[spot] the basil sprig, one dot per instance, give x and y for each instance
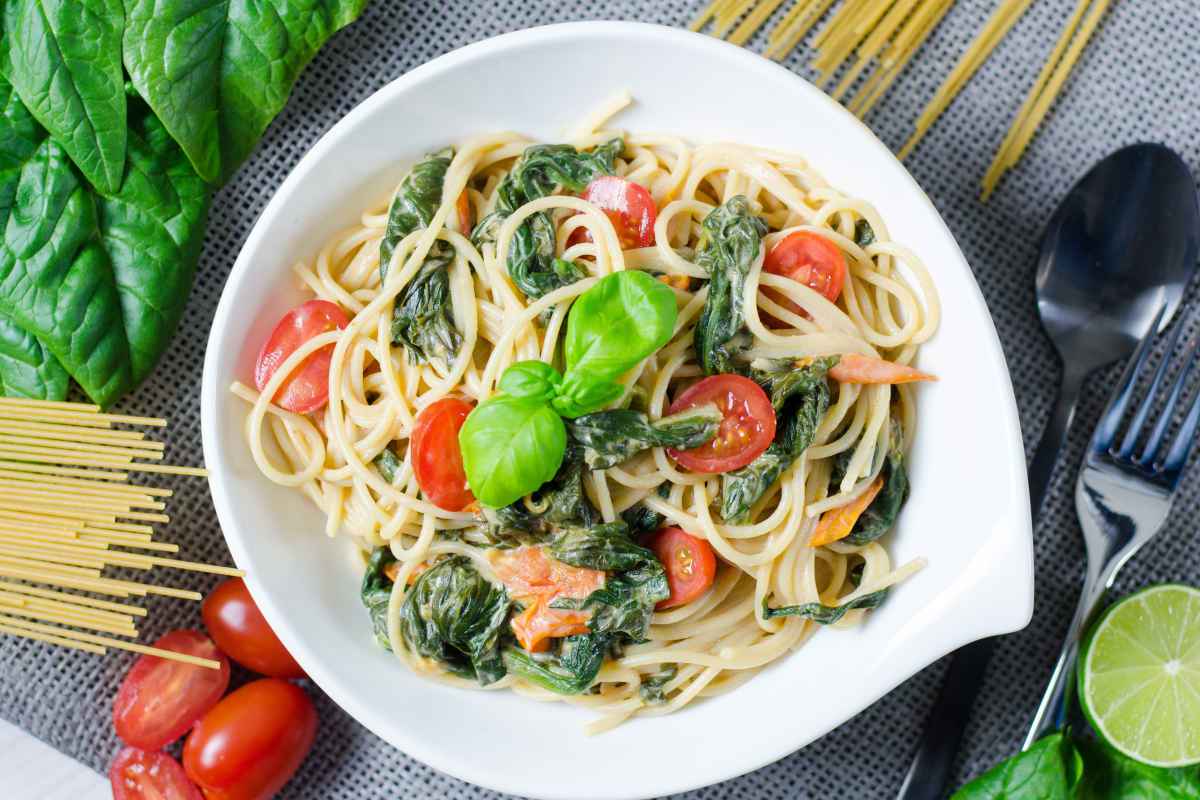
(514, 442)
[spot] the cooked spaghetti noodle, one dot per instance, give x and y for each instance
(885, 310)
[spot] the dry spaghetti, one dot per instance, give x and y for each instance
(68, 512)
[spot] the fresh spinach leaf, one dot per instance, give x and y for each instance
(454, 615)
(26, 368)
(1048, 770)
(730, 241)
(542, 170)
(570, 670)
(823, 614)
(880, 516)
(652, 689)
(376, 592)
(64, 60)
(511, 446)
(800, 397)
(216, 72)
(612, 326)
(1109, 775)
(626, 601)
(611, 437)
(152, 229)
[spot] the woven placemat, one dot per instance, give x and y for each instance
(1135, 82)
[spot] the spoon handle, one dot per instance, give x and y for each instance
(930, 770)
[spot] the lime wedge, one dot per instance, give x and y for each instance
(1139, 676)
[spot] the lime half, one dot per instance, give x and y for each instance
(1139, 676)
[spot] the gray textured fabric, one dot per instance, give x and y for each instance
(1136, 81)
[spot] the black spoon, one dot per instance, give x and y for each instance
(1123, 242)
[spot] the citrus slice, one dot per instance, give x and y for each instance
(1139, 676)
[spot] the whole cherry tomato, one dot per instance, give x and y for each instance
(240, 629)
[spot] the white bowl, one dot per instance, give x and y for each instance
(969, 511)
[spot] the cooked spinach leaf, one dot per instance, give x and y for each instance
(800, 397)
(880, 516)
(559, 502)
(626, 601)
(864, 234)
(1048, 770)
(570, 670)
(216, 72)
(26, 368)
(64, 60)
(652, 689)
(730, 241)
(641, 519)
(388, 464)
(823, 614)
(416, 201)
(542, 170)
(376, 592)
(454, 615)
(611, 437)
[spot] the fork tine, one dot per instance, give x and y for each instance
(1110, 420)
(1143, 411)
(1177, 456)
(1150, 452)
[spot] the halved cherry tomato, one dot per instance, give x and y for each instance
(252, 742)
(689, 562)
(747, 428)
(307, 388)
(436, 457)
(160, 699)
(628, 205)
(807, 258)
(240, 629)
(537, 580)
(140, 775)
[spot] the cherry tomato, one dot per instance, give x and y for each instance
(140, 775)
(746, 430)
(159, 700)
(252, 742)
(436, 457)
(807, 258)
(628, 205)
(689, 562)
(307, 388)
(240, 629)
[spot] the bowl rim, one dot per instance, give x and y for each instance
(338, 688)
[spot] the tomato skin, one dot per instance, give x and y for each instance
(628, 205)
(239, 628)
(807, 258)
(137, 774)
(252, 742)
(689, 561)
(307, 388)
(159, 700)
(437, 457)
(748, 426)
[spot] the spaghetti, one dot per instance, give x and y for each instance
(66, 510)
(354, 458)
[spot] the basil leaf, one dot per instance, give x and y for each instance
(216, 72)
(26, 368)
(823, 614)
(452, 614)
(730, 241)
(511, 446)
(1046, 771)
(376, 592)
(533, 379)
(64, 60)
(578, 394)
(571, 670)
(612, 326)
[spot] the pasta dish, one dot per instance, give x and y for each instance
(618, 421)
